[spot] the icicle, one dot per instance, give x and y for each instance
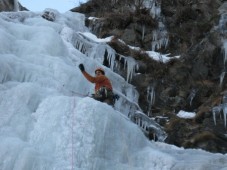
(143, 33)
(92, 49)
(99, 50)
(154, 6)
(214, 116)
(224, 101)
(166, 41)
(148, 125)
(216, 110)
(117, 65)
(225, 50)
(222, 76)
(222, 22)
(153, 9)
(125, 63)
(89, 47)
(150, 94)
(131, 67)
(111, 57)
(16, 6)
(145, 125)
(192, 95)
(225, 113)
(154, 40)
(81, 44)
(160, 38)
(150, 98)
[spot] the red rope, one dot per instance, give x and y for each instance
(72, 136)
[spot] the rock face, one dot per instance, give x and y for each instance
(8, 5)
(196, 32)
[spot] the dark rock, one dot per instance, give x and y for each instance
(49, 15)
(8, 5)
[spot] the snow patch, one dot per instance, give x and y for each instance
(186, 115)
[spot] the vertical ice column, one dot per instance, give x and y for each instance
(224, 62)
(192, 95)
(131, 65)
(160, 37)
(111, 55)
(222, 76)
(83, 44)
(222, 28)
(224, 101)
(225, 50)
(216, 110)
(154, 6)
(16, 6)
(150, 98)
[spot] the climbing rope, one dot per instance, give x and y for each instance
(72, 136)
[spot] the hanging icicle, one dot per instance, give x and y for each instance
(160, 37)
(150, 98)
(130, 65)
(222, 76)
(111, 56)
(224, 101)
(16, 6)
(225, 113)
(216, 110)
(192, 96)
(92, 49)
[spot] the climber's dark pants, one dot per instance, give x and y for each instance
(104, 95)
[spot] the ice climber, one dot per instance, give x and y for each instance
(103, 87)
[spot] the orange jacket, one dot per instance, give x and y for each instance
(99, 81)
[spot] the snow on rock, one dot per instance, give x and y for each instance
(186, 115)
